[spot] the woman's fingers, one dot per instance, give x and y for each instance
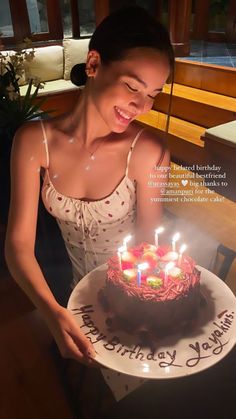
(84, 344)
(71, 341)
(71, 350)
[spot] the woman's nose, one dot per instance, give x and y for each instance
(141, 104)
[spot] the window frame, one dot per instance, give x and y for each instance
(21, 23)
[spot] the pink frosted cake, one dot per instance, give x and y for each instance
(152, 290)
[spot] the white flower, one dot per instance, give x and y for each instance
(12, 94)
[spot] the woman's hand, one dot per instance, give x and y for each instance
(71, 342)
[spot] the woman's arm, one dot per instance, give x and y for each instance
(151, 176)
(28, 155)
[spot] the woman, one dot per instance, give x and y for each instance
(97, 161)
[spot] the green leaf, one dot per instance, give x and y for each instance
(26, 102)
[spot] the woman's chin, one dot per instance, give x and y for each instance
(119, 128)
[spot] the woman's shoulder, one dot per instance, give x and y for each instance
(39, 128)
(151, 141)
(29, 133)
(150, 150)
(149, 134)
(30, 139)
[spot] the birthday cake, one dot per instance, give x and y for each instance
(151, 289)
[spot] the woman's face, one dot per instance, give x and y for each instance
(125, 89)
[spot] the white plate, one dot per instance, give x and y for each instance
(214, 333)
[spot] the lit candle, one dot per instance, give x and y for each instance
(125, 241)
(181, 251)
(141, 267)
(168, 267)
(158, 231)
(119, 254)
(175, 238)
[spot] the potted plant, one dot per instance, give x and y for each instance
(15, 109)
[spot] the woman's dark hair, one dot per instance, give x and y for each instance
(129, 27)
(78, 75)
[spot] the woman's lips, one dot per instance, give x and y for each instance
(123, 116)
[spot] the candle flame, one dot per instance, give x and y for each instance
(127, 239)
(183, 248)
(159, 230)
(176, 237)
(143, 266)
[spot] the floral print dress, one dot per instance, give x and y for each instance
(92, 232)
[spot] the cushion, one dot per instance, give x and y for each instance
(75, 52)
(47, 63)
(51, 87)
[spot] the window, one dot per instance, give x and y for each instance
(37, 12)
(66, 18)
(218, 15)
(78, 17)
(6, 27)
(45, 20)
(39, 19)
(86, 17)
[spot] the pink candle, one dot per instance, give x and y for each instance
(168, 267)
(141, 267)
(125, 241)
(119, 254)
(181, 251)
(175, 238)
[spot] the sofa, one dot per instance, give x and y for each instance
(52, 65)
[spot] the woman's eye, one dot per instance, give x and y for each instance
(131, 88)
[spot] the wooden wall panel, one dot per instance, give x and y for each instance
(192, 111)
(200, 24)
(179, 26)
(188, 73)
(215, 79)
(102, 9)
(60, 102)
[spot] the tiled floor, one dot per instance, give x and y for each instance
(212, 53)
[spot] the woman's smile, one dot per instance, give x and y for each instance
(123, 116)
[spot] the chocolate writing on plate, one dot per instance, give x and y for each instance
(212, 345)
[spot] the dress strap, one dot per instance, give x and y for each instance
(45, 141)
(158, 164)
(131, 149)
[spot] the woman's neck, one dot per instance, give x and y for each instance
(85, 121)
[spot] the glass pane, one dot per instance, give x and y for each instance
(165, 13)
(5, 19)
(218, 15)
(37, 10)
(66, 18)
(86, 17)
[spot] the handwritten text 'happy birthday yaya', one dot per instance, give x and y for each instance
(213, 345)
